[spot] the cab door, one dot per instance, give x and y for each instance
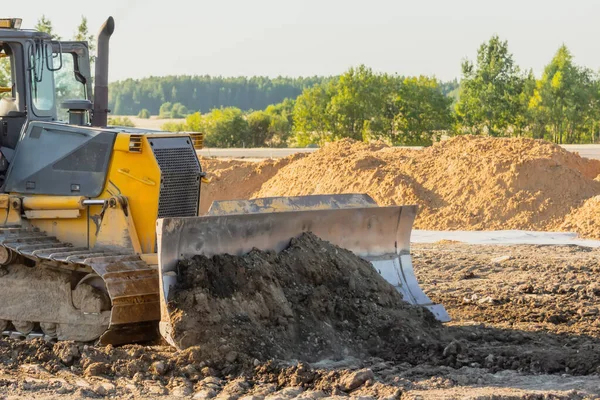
(73, 79)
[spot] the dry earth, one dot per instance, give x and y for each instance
(465, 183)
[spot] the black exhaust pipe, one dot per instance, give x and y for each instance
(100, 117)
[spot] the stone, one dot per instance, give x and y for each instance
(452, 349)
(356, 379)
(96, 369)
(158, 367)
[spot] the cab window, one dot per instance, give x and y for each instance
(42, 79)
(67, 86)
(8, 100)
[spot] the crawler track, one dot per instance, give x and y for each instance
(75, 293)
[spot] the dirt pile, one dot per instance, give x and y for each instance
(311, 301)
(584, 220)
(233, 179)
(467, 182)
(464, 183)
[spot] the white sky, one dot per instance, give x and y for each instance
(322, 37)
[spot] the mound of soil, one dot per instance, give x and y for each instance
(311, 301)
(466, 182)
(584, 220)
(233, 179)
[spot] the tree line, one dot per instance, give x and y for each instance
(497, 98)
(493, 97)
(203, 93)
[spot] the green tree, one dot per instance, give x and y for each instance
(226, 127)
(144, 113)
(259, 128)
(83, 35)
(422, 112)
(165, 110)
(489, 94)
(179, 111)
(312, 123)
(565, 99)
(356, 99)
(120, 121)
(45, 25)
(204, 93)
(5, 78)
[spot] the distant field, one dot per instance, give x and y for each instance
(152, 123)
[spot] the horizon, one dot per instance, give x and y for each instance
(263, 38)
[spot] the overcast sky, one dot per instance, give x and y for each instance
(322, 37)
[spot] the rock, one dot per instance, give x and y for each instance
(356, 379)
(181, 391)
(487, 299)
(290, 392)
(252, 397)
(67, 352)
(109, 387)
(237, 387)
(100, 390)
(394, 396)
(205, 394)
(452, 349)
(501, 259)
(231, 356)
(158, 367)
(312, 394)
(211, 382)
(157, 389)
(225, 396)
(138, 377)
(96, 369)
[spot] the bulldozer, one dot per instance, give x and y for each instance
(94, 218)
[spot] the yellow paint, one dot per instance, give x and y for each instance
(142, 197)
(133, 174)
(146, 181)
(10, 210)
(52, 214)
(4, 201)
(53, 202)
(117, 230)
(151, 259)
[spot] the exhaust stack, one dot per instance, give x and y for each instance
(100, 117)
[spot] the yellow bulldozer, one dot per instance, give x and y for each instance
(94, 218)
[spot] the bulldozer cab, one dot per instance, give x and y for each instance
(37, 75)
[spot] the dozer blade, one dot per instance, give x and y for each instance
(380, 235)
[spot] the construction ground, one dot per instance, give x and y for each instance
(525, 318)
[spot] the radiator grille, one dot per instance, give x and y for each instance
(180, 179)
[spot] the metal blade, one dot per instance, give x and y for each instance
(380, 235)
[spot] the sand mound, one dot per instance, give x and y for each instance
(233, 179)
(584, 220)
(311, 301)
(467, 182)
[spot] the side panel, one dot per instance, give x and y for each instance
(57, 159)
(136, 175)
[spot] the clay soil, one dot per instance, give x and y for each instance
(525, 326)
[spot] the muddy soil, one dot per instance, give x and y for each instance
(503, 343)
(311, 301)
